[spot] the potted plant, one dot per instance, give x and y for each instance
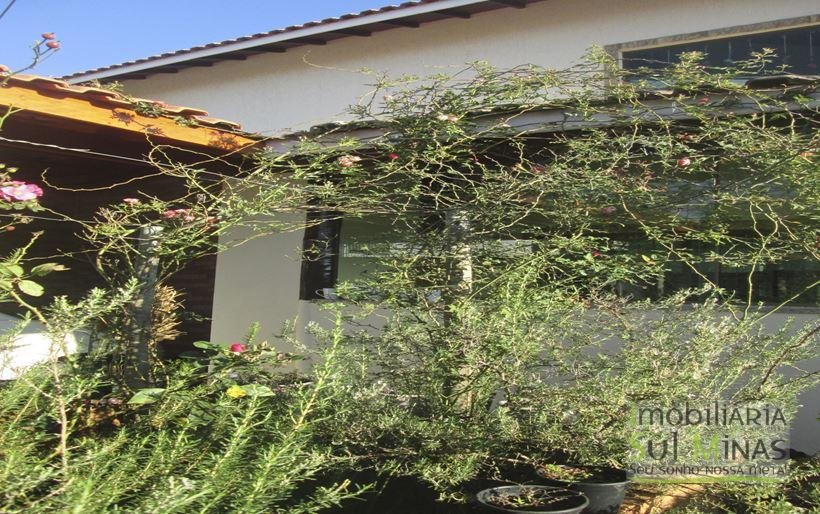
(605, 487)
(533, 498)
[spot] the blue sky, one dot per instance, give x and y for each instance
(97, 33)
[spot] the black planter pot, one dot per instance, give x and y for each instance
(572, 502)
(605, 488)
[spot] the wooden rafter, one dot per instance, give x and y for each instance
(454, 13)
(403, 23)
(66, 111)
(518, 4)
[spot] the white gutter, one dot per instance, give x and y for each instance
(277, 38)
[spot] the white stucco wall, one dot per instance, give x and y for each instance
(274, 92)
(309, 85)
(32, 345)
(257, 281)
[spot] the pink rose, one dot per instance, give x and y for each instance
(684, 162)
(20, 191)
(238, 347)
(185, 214)
(393, 156)
(130, 201)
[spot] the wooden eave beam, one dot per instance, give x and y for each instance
(68, 110)
(403, 23)
(456, 14)
(310, 41)
(518, 4)
(354, 32)
(265, 50)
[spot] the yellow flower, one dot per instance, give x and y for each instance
(236, 391)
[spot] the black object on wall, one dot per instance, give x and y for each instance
(320, 255)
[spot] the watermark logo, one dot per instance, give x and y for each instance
(717, 441)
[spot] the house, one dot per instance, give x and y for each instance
(87, 147)
(293, 78)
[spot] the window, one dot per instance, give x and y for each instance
(336, 251)
(771, 283)
(320, 256)
(796, 48)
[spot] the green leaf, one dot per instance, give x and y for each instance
(257, 390)
(207, 345)
(31, 288)
(11, 269)
(45, 269)
(146, 396)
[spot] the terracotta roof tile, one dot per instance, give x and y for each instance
(105, 97)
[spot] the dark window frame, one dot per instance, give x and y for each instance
(617, 50)
(320, 255)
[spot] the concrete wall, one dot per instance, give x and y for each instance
(309, 85)
(257, 281)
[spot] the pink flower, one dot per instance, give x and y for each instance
(48, 35)
(54, 45)
(347, 161)
(608, 210)
(20, 191)
(185, 214)
(595, 253)
(393, 156)
(130, 201)
(238, 347)
(684, 162)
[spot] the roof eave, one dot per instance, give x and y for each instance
(321, 28)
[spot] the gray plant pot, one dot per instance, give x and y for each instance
(569, 502)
